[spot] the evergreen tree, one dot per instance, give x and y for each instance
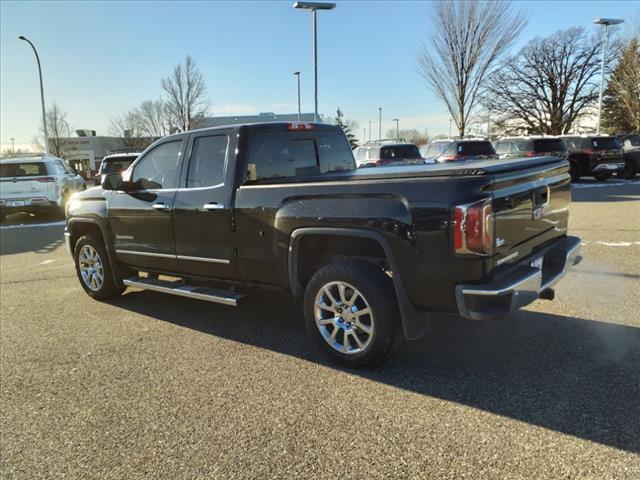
(621, 101)
(347, 127)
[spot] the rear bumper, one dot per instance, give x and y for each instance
(519, 286)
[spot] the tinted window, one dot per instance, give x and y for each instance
(208, 155)
(334, 151)
(548, 145)
(159, 168)
(522, 146)
(64, 167)
(633, 140)
(400, 152)
(475, 148)
(604, 143)
(576, 143)
(22, 169)
(290, 154)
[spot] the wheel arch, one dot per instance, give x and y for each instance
(77, 227)
(413, 326)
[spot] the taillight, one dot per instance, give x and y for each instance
(473, 228)
(450, 158)
(300, 126)
(588, 151)
(45, 179)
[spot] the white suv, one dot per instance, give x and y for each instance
(36, 184)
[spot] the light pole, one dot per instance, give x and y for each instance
(397, 120)
(314, 7)
(44, 116)
(606, 22)
(364, 134)
(450, 128)
(13, 147)
(379, 123)
(297, 74)
(369, 130)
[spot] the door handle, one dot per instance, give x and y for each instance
(161, 206)
(213, 206)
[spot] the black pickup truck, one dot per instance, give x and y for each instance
(373, 255)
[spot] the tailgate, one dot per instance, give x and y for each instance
(531, 207)
(24, 187)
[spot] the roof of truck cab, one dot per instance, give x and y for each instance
(257, 125)
(34, 158)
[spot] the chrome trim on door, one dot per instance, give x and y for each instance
(146, 254)
(203, 259)
(161, 206)
(213, 206)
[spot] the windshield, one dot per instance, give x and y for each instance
(400, 152)
(548, 145)
(633, 141)
(27, 169)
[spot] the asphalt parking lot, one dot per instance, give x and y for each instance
(152, 386)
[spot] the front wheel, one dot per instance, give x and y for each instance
(351, 312)
(94, 270)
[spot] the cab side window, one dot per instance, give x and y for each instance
(503, 147)
(158, 169)
(206, 167)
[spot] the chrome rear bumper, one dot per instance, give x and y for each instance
(520, 286)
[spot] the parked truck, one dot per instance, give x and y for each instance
(372, 255)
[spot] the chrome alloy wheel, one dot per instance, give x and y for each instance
(90, 266)
(344, 318)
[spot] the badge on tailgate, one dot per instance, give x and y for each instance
(541, 197)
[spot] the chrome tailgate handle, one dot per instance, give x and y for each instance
(161, 206)
(213, 206)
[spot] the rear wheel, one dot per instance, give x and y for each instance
(602, 176)
(627, 172)
(351, 312)
(94, 270)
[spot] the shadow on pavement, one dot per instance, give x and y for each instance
(19, 240)
(608, 191)
(571, 375)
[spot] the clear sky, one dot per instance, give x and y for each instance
(101, 58)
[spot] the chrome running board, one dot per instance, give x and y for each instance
(182, 290)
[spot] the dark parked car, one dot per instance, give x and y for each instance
(115, 163)
(467, 149)
(631, 148)
(387, 152)
(372, 254)
(518, 147)
(599, 156)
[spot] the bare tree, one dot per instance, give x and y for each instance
(155, 118)
(467, 39)
(411, 135)
(57, 128)
(548, 85)
(128, 127)
(186, 94)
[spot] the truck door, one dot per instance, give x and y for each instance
(142, 220)
(202, 209)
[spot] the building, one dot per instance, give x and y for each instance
(261, 117)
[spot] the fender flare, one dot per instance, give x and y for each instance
(105, 235)
(414, 325)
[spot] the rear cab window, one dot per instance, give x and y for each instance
(283, 154)
(399, 152)
(26, 169)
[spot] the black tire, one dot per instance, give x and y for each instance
(574, 171)
(107, 288)
(628, 172)
(375, 291)
(602, 176)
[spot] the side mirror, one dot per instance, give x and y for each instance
(111, 181)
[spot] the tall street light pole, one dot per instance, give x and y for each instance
(379, 123)
(397, 120)
(369, 130)
(606, 23)
(44, 115)
(314, 7)
(297, 74)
